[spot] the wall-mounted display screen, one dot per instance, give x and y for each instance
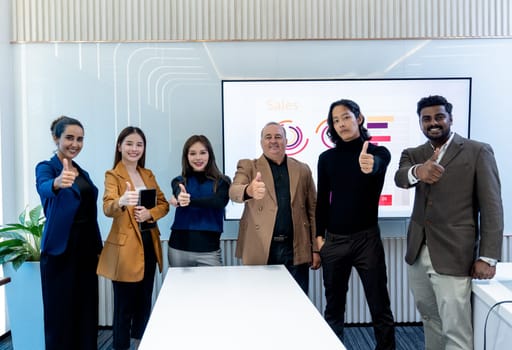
(301, 106)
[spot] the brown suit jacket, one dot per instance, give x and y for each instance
(258, 218)
(122, 257)
(460, 216)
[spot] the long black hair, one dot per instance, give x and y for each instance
(211, 170)
(122, 135)
(354, 108)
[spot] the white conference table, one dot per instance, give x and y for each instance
(235, 307)
(487, 293)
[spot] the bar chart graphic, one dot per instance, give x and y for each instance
(378, 126)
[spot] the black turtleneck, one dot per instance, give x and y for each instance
(348, 199)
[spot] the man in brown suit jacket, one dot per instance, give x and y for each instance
(278, 222)
(456, 228)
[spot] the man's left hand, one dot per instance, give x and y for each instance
(482, 270)
(366, 159)
(315, 265)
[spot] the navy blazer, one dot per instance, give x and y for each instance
(59, 206)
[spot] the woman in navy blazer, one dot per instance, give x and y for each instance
(70, 244)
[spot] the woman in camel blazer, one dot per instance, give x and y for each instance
(130, 254)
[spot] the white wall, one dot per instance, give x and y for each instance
(8, 206)
(172, 90)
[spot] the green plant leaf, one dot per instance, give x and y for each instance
(20, 242)
(9, 243)
(14, 255)
(15, 228)
(16, 263)
(22, 216)
(5, 236)
(35, 215)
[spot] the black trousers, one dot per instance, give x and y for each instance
(70, 294)
(133, 300)
(281, 253)
(364, 251)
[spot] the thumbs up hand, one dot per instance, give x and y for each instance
(366, 160)
(431, 171)
(256, 188)
(129, 197)
(66, 177)
(183, 196)
(173, 201)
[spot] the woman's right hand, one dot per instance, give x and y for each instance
(129, 197)
(183, 196)
(66, 177)
(173, 201)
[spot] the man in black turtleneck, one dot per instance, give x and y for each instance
(350, 180)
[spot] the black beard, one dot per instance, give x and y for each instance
(440, 137)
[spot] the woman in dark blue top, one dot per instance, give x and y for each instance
(70, 244)
(200, 195)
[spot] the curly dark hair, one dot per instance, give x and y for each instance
(434, 100)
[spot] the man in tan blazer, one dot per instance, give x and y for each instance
(278, 222)
(456, 227)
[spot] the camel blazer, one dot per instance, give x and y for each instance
(461, 216)
(258, 218)
(122, 257)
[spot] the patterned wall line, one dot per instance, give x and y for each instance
(190, 20)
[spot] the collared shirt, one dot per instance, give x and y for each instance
(284, 224)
